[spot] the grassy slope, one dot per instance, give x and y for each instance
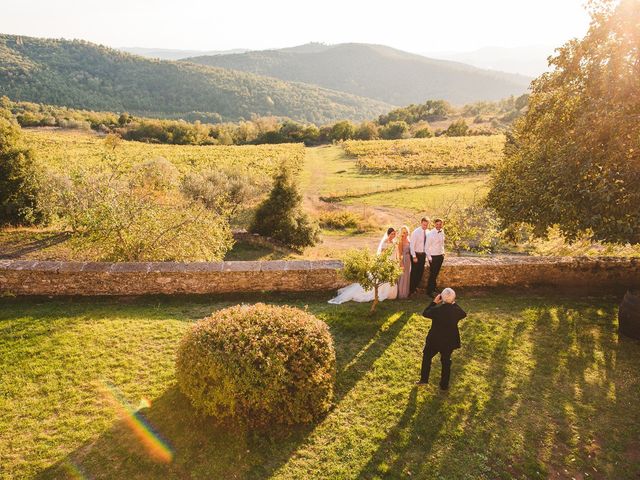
(543, 387)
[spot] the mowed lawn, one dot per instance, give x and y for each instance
(543, 388)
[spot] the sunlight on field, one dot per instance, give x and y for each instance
(64, 150)
(428, 155)
(531, 394)
(434, 199)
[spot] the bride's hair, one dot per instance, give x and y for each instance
(390, 230)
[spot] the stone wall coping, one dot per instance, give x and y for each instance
(285, 265)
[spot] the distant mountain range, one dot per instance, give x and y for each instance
(375, 71)
(173, 54)
(84, 75)
(530, 61)
(309, 83)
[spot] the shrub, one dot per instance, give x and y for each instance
(258, 364)
(459, 128)
(394, 130)
(155, 174)
(281, 217)
(474, 228)
(423, 133)
(367, 131)
(20, 197)
(224, 191)
(344, 220)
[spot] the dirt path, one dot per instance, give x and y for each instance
(327, 168)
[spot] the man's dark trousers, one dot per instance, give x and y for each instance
(445, 358)
(417, 270)
(434, 270)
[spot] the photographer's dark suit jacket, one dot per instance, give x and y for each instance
(443, 334)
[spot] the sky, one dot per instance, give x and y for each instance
(415, 26)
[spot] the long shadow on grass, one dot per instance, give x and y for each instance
(558, 397)
(584, 395)
(553, 393)
(204, 449)
(29, 246)
(432, 417)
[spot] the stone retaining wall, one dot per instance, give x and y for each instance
(23, 277)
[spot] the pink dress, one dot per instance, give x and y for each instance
(403, 281)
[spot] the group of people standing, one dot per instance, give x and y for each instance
(412, 250)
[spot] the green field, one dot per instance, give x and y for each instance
(64, 150)
(329, 179)
(428, 155)
(542, 388)
(433, 199)
(328, 173)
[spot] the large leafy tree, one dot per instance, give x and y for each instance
(19, 179)
(574, 158)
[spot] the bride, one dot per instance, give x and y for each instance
(386, 291)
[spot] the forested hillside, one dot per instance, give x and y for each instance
(84, 75)
(376, 71)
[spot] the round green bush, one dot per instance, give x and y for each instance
(258, 364)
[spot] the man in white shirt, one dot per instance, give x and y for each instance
(417, 247)
(435, 254)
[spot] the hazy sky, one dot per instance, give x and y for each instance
(417, 26)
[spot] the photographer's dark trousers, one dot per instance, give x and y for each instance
(445, 358)
(434, 270)
(417, 270)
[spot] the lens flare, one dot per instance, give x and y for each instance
(157, 447)
(74, 470)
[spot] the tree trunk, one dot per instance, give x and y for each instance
(375, 299)
(629, 315)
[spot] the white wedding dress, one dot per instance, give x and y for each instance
(355, 292)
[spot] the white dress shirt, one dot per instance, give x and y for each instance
(418, 241)
(435, 243)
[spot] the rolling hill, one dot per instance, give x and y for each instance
(375, 71)
(175, 54)
(83, 75)
(531, 60)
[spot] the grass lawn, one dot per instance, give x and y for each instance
(542, 388)
(434, 199)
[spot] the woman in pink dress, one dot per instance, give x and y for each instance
(404, 256)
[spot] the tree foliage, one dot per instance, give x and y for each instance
(224, 191)
(371, 271)
(131, 214)
(394, 130)
(80, 74)
(574, 158)
(281, 217)
(20, 201)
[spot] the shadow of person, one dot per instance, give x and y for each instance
(361, 347)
